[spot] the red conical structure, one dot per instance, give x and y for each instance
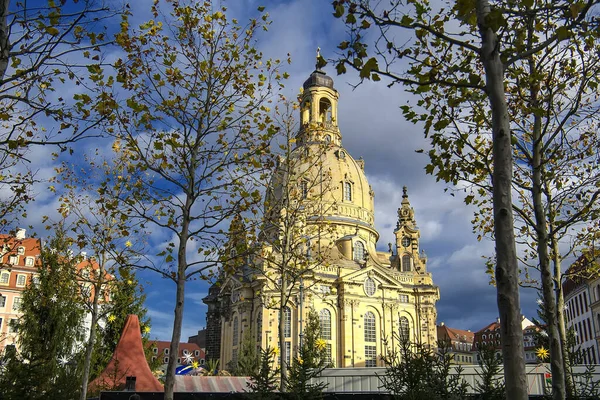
(128, 360)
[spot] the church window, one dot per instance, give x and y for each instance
(324, 110)
(259, 326)
(370, 335)
(403, 298)
(370, 287)
(234, 357)
(347, 191)
(304, 189)
(404, 328)
(287, 322)
(327, 138)
(325, 320)
(341, 155)
(288, 353)
(406, 263)
(370, 356)
(236, 333)
(328, 358)
(359, 251)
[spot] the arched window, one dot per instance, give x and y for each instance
(327, 138)
(359, 251)
(287, 322)
(325, 321)
(406, 263)
(347, 191)
(259, 327)
(404, 329)
(370, 335)
(324, 110)
(236, 333)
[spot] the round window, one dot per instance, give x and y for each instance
(370, 287)
(405, 241)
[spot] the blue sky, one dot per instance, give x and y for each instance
(372, 126)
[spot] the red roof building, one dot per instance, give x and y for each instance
(19, 260)
(188, 352)
(461, 343)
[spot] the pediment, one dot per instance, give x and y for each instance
(381, 275)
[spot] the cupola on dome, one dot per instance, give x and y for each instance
(318, 78)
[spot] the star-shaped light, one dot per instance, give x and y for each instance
(54, 298)
(111, 318)
(276, 351)
(146, 329)
(195, 364)
(539, 301)
(542, 353)
(188, 358)
(321, 344)
(63, 360)
(128, 243)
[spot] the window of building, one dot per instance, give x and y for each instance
(29, 261)
(21, 250)
(406, 263)
(405, 241)
(288, 353)
(234, 357)
(166, 360)
(325, 320)
(370, 356)
(0, 324)
(287, 323)
(347, 191)
(328, 358)
(403, 298)
(16, 303)
(155, 350)
(21, 280)
(324, 110)
(166, 351)
(404, 329)
(259, 323)
(14, 260)
(3, 301)
(236, 331)
(178, 360)
(359, 251)
(153, 358)
(370, 287)
(370, 334)
(304, 189)
(327, 138)
(12, 325)
(186, 352)
(4, 277)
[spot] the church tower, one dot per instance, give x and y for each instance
(366, 298)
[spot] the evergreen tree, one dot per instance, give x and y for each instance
(311, 361)
(263, 383)
(248, 361)
(43, 366)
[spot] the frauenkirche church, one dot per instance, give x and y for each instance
(362, 296)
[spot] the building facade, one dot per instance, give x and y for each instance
(489, 336)
(365, 298)
(460, 342)
(19, 260)
(582, 297)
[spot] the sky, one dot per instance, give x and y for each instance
(372, 127)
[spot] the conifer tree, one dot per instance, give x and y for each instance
(264, 382)
(43, 365)
(248, 361)
(311, 361)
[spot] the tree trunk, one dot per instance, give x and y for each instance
(178, 320)
(87, 362)
(507, 271)
(556, 355)
(560, 315)
(281, 328)
(4, 39)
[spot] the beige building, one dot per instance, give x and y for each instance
(364, 297)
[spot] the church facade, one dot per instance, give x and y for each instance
(365, 298)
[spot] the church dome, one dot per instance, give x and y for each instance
(318, 78)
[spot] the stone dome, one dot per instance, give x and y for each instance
(318, 78)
